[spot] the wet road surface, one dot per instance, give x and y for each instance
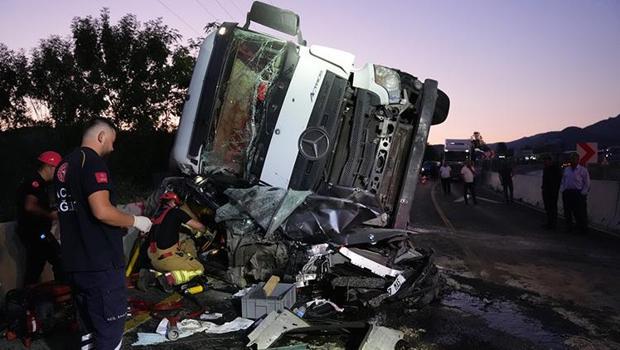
(510, 284)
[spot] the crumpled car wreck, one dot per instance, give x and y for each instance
(336, 245)
(303, 166)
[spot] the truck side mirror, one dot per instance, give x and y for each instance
(284, 21)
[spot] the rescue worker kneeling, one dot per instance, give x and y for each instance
(175, 259)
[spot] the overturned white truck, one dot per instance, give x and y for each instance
(304, 165)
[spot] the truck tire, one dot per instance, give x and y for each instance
(442, 107)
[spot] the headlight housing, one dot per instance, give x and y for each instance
(390, 81)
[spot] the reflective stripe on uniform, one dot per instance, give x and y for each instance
(182, 276)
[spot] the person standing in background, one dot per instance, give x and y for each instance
(575, 187)
(445, 173)
(34, 220)
(505, 176)
(552, 177)
(469, 174)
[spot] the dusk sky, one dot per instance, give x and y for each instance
(511, 68)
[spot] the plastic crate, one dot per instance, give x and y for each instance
(256, 304)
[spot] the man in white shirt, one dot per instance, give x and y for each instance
(444, 174)
(468, 172)
(574, 188)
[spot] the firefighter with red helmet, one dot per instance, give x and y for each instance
(175, 259)
(35, 217)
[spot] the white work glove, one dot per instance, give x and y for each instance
(142, 223)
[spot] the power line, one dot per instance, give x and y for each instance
(179, 17)
(225, 10)
(206, 10)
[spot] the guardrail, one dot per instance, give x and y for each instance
(603, 199)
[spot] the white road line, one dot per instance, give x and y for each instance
(443, 216)
(480, 198)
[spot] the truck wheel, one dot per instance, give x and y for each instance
(442, 107)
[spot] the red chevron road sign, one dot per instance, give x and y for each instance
(587, 152)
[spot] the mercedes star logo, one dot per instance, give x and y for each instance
(314, 143)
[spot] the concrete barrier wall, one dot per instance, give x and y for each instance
(12, 254)
(12, 260)
(603, 199)
(604, 205)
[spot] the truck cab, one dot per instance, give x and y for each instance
(278, 112)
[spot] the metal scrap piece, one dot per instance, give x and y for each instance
(358, 282)
(367, 263)
(292, 347)
(408, 255)
(272, 328)
(381, 338)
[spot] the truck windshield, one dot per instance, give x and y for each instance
(253, 63)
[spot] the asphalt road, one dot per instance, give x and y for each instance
(510, 284)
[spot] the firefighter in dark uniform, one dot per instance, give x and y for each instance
(91, 237)
(34, 220)
(169, 255)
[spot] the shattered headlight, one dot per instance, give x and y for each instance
(389, 80)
